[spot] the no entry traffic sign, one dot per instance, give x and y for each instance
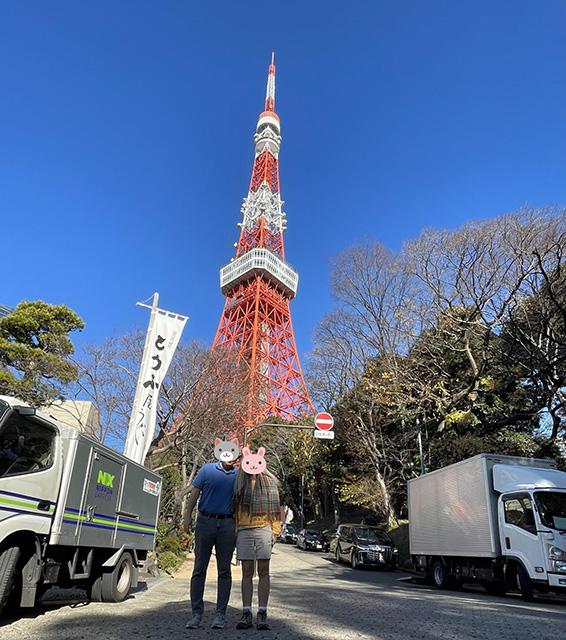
(323, 421)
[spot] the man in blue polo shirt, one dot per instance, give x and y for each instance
(215, 527)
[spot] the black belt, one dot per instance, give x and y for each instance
(216, 515)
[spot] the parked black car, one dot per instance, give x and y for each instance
(289, 533)
(362, 545)
(312, 540)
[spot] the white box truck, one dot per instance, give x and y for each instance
(496, 520)
(73, 512)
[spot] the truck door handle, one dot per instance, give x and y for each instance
(127, 514)
(507, 543)
(43, 505)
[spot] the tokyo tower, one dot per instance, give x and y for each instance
(259, 284)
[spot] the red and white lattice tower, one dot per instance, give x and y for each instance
(259, 284)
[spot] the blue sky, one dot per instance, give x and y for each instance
(126, 141)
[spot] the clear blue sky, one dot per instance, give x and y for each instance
(127, 138)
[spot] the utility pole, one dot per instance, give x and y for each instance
(419, 438)
(302, 500)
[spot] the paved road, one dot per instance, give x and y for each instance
(312, 598)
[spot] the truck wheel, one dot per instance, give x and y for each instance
(8, 564)
(94, 590)
(525, 584)
(440, 576)
(116, 584)
(354, 560)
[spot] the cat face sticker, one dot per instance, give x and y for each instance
(253, 463)
(226, 451)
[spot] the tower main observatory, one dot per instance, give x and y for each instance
(259, 285)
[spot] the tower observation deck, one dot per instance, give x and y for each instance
(259, 284)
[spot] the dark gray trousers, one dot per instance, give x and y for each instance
(220, 534)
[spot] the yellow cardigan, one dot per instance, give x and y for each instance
(246, 521)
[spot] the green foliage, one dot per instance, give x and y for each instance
(35, 349)
(450, 448)
(553, 449)
(399, 533)
(361, 492)
(169, 562)
(513, 443)
(162, 531)
(171, 543)
(461, 420)
(171, 484)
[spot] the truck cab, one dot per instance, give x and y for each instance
(532, 524)
(30, 470)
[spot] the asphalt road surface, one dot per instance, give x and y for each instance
(312, 598)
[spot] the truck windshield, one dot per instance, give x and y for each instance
(26, 446)
(552, 508)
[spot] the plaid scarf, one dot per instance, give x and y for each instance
(260, 497)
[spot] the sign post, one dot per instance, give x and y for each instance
(324, 422)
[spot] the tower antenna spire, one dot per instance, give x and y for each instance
(270, 93)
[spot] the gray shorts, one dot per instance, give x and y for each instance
(254, 542)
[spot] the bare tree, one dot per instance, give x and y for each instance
(107, 377)
(203, 400)
(469, 280)
(535, 330)
(200, 398)
(433, 318)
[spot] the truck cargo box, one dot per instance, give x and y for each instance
(106, 499)
(453, 511)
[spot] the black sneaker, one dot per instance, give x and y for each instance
(262, 624)
(246, 621)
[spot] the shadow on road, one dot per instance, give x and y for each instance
(57, 598)
(324, 601)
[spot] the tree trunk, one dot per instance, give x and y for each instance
(387, 507)
(335, 504)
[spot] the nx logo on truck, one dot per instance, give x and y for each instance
(104, 485)
(105, 479)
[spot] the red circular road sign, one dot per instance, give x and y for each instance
(324, 421)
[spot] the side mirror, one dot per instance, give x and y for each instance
(25, 411)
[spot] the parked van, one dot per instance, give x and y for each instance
(362, 545)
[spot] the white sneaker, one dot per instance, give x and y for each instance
(194, 622)
(219, 621)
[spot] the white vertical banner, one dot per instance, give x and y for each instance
(162, 338)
